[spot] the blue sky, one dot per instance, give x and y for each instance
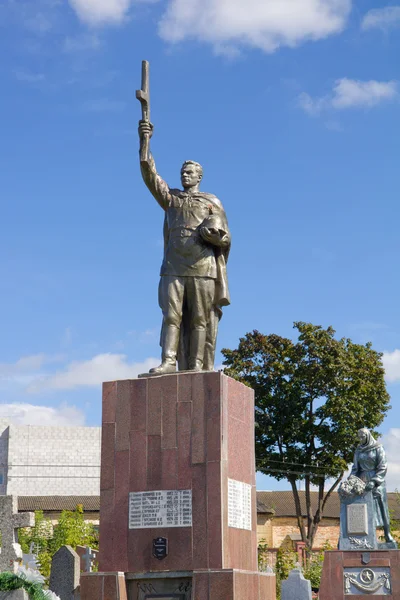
(292, 107)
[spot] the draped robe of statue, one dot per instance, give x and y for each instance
(370, 464)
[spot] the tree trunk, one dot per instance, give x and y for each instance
(299, 515)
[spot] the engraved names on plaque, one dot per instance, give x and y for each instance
(357, 519)
(239, 504)
(164, 508)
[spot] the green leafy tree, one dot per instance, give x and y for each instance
(312, 395)
(71, 530)
(285, 562)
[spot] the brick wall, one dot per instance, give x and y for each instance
(273, 531)
(53, 461)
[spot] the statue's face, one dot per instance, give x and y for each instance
(189, 176)
(362, 436)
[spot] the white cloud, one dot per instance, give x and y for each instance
(30, 414)
(391, 362)
(101, 12)
(81, 43)
(103, 367)
(350, 93)
(264, 24)
(382, 18)
(391, 443)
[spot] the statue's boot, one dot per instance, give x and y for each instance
(197, 344)
(169, 351)
(388, 535)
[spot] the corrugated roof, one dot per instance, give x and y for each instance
(283, 504)
(58, 503)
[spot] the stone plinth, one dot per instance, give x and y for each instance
(357, 524)
(177, 432)
(178, 467)
(360, 574)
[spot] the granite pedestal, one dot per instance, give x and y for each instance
(178, 497)
(358, 575)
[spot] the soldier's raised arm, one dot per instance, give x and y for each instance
(157, 186)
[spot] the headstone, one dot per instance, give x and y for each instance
(82, 552)
(65, 573)
(30, 559)
(88, 558)
(10, 522)
(357, 522)
(20, 594)
(296, 587)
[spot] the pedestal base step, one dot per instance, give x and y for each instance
(224, 584)
(358, 575)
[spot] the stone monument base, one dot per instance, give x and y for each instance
(360, 575)
(218, 584)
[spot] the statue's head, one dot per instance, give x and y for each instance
(363, 435)
(191, 174)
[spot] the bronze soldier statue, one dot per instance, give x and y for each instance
(193, 285)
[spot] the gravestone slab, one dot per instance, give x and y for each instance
(14, 595)
(10, 522)
(357, 523)
(296, 587)
(65, 573)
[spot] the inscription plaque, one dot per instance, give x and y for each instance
(164, 508)
(239, 505)
(357, 519)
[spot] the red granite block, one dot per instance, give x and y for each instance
(225, 529)
(213, 416)
(185, 388)
(240, 449)
(266, 587)
(140, 547)
(154, 397)
(234, 539)
(179, 549)
(107, 456)
(138, 462)
(109, 401)
(168, 412)
(184, 458)
(214, 515)
(139, 405)
(221, 585)
(201, 585)
(199, 511)
(225, 416)
(123, 414)
(107, 529)
(154, 463)
(331, 587)
(198, 419)
(92, 586)
(169, 469)
(110, 587)
(335, 561)
(237, 400)
(121, 509)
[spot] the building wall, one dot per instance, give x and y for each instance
(53, 461)
(3, 458)
(273, 531)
